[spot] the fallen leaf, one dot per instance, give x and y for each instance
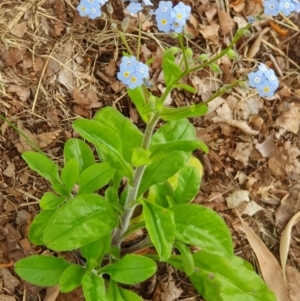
(226, 22)
(236, 198)
(243, 152)
(252, 208)
(285, 241)
(290, 119)
(256, 45)
(293, 281)
(268, 148)
(19, 29)
(10, 282)
(10, 170)
(211, 32)
(270, 269)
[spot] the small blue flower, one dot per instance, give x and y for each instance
(83, 10)
(271, 7)
(134, 81)
(134, 7)
(129, 61)
(266, 89)
(95, 11)
(271, 77)
(256, 78)
(286, 7)
(178, 15)
(164, 22)
(251, 19)
(142, 69)
(164, 7)
(185, 8)
(177, 27)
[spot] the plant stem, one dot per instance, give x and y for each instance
(203, 65)
(132, 194)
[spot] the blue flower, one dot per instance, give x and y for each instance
(256, 78)
(266, 89)
(129, 61)
(142, 69)
(135, 81)
(164, 7)
(178, 15)
(83, 9)
(164, 22)
(251, 19)
(286, 7)
(271, 7)
(134, 7)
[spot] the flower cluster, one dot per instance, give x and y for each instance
(132, 72)
(90, 8)
(170, 18)
(286, 7)
(264, 80)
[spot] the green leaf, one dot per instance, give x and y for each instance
(187, 257)
(193, 110)
(94, 251)
(113, 292)
(215, 68)
(95, 177)
(160, 194)
(138, 98)
(129, 295)
(188, 184)
(203, 57)
(70, 174)
(185, 87)
(93, 287)
(51, 201)
(131, 269)
(218, 278)
(161, 228)
(162, 150)
(174, 131)
(140, 156)
(130, 135)
(82, 220)
(170, 68)
(200, 226)
(71, 278)
(41, 270)
(43, 166)
(61, 190)
(80, 151)
(38, 226)
(161, 170)
(107, 140)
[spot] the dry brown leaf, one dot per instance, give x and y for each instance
(269, 266)
(110, 69)
(243, 152)
(211, 32)
(12, 56)
(19, 29)
(21, 91)
(293, 280)
(285, 241)
(10, 170)
(45, 140)
(256, 45)
(290, 119)
(226, 22)
(4, 297)
(268, 148)
(278, 29)
(52, 293)
(277, 166)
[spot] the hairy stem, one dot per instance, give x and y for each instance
(133, 190)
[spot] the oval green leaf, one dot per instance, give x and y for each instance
(161, 228)
(93, 287)
(107, 141)
(70, 174)
(161, 170)
(82, 220)
(80, 151)
(43, 166)
(51, 201)
(131, 269)
(200, 226)
(218, 278)
(38, 226)
(71, 278)
(95, 177)
(41, 270)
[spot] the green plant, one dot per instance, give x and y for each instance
(92, 204)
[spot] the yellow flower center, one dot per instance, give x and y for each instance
(126, 73)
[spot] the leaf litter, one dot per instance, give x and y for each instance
(56, 66)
